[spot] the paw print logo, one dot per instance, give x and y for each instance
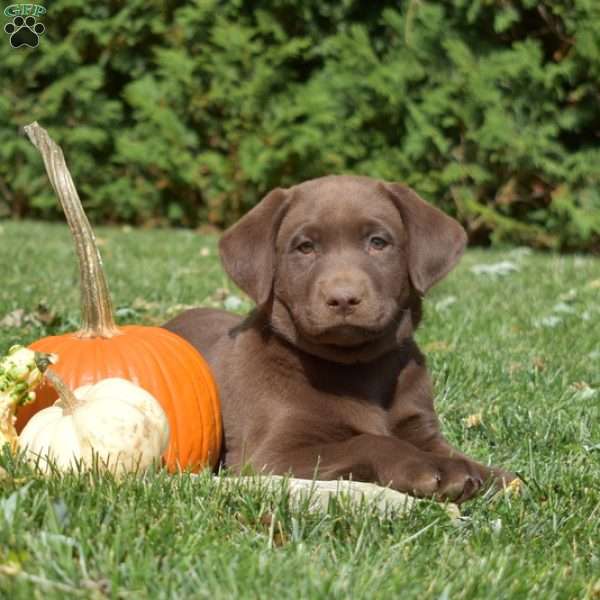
(24, 32)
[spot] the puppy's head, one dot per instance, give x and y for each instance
(341, 262)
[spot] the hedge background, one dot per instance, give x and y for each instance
(189, 112)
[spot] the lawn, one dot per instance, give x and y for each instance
(515, 360)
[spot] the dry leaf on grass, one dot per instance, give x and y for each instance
(501, 268)
(142, 304)
(583, 391)
(42, 315)
(16, 318)
(475, 420)
(10, 569)
(538, 363)
(232, 302)
(437, 346)
(550, 321)
(445, 303)
(515, 487)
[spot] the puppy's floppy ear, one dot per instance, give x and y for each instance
(435, 240)
(247, 248)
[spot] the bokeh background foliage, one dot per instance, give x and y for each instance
(189, 112)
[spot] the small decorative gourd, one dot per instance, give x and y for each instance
(113, 423)
(21, 371)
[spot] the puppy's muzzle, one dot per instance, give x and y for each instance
(342, 295)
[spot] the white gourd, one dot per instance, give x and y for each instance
(114, 422)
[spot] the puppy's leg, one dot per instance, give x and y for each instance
(380, 459)
(422, 430)
(415, 421)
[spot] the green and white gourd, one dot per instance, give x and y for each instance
(21, 371)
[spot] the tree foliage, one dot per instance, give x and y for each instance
(187, 112)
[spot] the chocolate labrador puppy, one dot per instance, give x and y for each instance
(324, 378)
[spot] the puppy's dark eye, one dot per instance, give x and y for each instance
(306, 247)
(377, 243)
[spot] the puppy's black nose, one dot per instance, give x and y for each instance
(343, 300)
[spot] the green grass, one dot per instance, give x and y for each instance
(489, 352)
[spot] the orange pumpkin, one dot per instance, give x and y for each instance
(151, 357)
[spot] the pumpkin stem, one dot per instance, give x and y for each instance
(96, 307)
(67, 397)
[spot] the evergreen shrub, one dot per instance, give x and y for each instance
(189, 112)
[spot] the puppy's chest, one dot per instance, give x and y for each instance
(360, 417)
(357, 407)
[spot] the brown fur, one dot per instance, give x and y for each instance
(323, 377)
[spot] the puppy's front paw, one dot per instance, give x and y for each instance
(444, 478)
